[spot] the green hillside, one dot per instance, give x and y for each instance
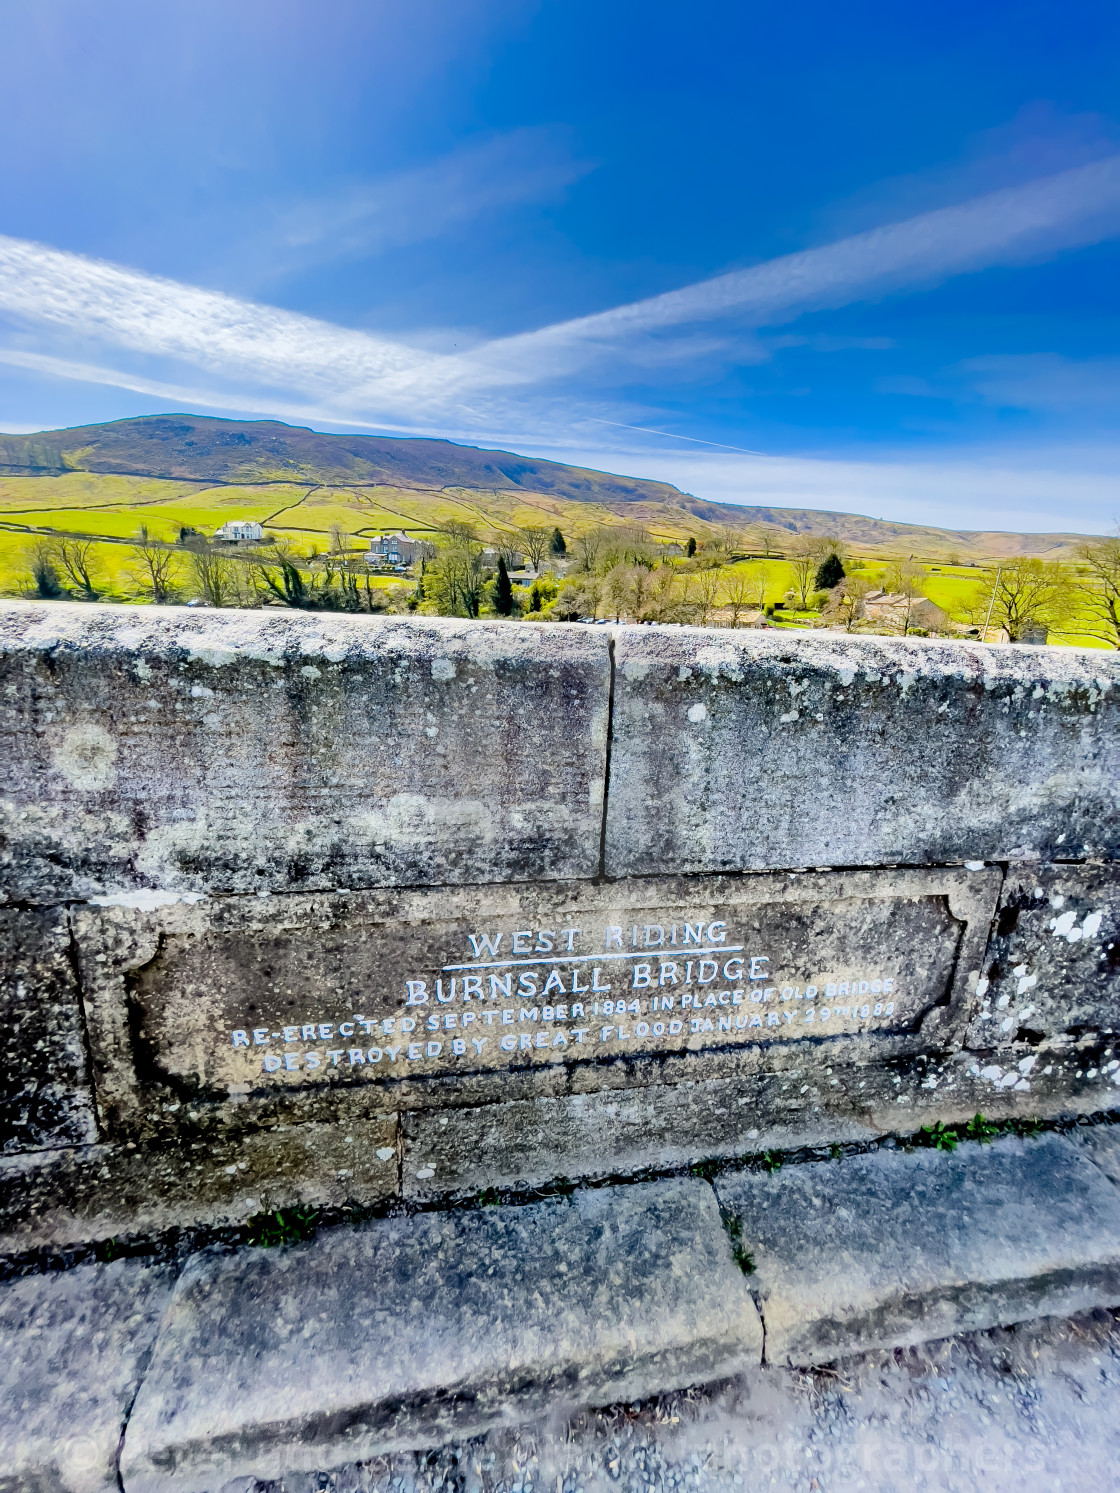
(153, 469)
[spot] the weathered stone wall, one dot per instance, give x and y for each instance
(323, 909)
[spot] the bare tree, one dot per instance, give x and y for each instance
(535, 542)
(213, 575)
(630, 544)
(761, 579)
(709, 585)
(1101, 597)
(803, 556)
(507, 548)
(154, 566)
(846, 601)
(1022, 592)
(739, 596)
(907, 579)
(585, 551)
(76, 557)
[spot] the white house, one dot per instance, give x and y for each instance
(241, 530)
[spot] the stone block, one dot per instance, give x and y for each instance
(45, 1095)
(887, 1249)
(620, 1132)
(151, 748)
(64, 1198)
(410, 1331)
(73, 1346)
(762, 751)
(1052, 970)
(254, 1011)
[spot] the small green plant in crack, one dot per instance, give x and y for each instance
(488, 1198)
(772, 1161)
(705, 1169)
(739, 1252)
(285, 1226)
(836, 1153)
(939, 1137)
(942, 1137)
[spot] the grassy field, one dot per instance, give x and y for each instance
(110, 510)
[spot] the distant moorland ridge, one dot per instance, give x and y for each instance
(199, 448)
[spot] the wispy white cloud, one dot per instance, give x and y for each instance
(409, 207)
(119, 308)
(239, 354)
(1069, 209)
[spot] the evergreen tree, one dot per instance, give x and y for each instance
(503, 591)
(690, 548)
(556, 545)
(830, 572)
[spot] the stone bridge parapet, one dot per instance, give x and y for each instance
(304, 908)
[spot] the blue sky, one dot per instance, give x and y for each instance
(861, 257)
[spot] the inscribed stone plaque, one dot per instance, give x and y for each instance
(291, 994)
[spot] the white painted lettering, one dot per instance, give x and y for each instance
(485, 943)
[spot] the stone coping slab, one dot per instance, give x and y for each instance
(406, 1332)
(890, 1248)
(736, 751)
(73, 1346)
(153, 749)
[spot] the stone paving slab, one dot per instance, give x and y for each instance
(72, 1350)
(890, 1248)
(1101, 1143)
(405, 1332)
